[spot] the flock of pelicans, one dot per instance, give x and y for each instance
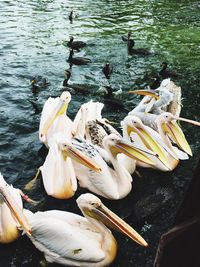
(89, 149)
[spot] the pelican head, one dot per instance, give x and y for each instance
(132, 124)
(115, 144)
(168, 124)
(54, 113)
(92, 207)
(11, 214)
(69, 151)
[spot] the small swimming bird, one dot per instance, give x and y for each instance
(75, 45)
(54, 118)
(136, 51)
(71, 16)
(76, 87)
(107, 70)
(126, 38)
(114, 181)
(39, 82)
(73, 240)
(11, 215)
(166, 73)
(58, 174)
(77, 60)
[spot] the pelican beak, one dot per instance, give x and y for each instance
(151, 144)
(150, 93)
(60, 109)
(132, 151)
(110, 219)
(15, 210)
(187, 120)
(81, 158)
(177, 136)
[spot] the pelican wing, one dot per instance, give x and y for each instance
(57, 236)
(102, 183)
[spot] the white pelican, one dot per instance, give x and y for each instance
(165, 98)
(54, 118)
(72, 240)
(114, 181)
(59, 177)
(89, 124)
(11, 215)
(165, 124)
(87, 112)
(137, 132)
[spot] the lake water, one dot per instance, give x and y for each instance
(32, 35)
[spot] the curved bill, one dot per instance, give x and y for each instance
(132, 151)
(153, 145)
(110, 219)
(151, 93)
(177, 136)
(81, 158)
(15, 210)
(60, 109)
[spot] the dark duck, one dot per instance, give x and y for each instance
(77, 60)
(126, 38)
(75, 45)
(110, 101)
(74, 87)
(71, 16)
(167, 73)
(39, 82)
(155, 82)
(136, 51)
(107, 70)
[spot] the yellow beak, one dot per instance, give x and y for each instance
(110, 219)
(60, 109)
(81, 158)
(177, 136)
(151, 144)
(15, 210)
(132, 151)
(151, 93)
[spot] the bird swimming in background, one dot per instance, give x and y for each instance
(71, 16)
(74, 87)
(58, 174)
(167, 73)
(75, 45)
(126, 38)
(77, 60)
(11, 212)
(136, 51)
(165, 98)
(38, 82)
(72, 240)
(114, 181)
(107, 70)
(54, 119)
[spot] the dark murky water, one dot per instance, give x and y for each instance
(32, 36)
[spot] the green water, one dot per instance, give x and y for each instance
(32, 36)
